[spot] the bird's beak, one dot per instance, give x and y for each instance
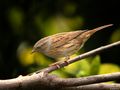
(32, 51)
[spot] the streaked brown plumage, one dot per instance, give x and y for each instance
(64, 44)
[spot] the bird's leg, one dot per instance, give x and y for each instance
(66, 59)
(57, 63)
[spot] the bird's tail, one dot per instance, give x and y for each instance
(91, 32)
(101, 27)
(97, 29)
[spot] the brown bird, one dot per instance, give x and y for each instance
(64, 44)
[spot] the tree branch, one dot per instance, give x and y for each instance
(82, 56)
(50, 82)
(87, 80)
(101, 86)
(44, 81)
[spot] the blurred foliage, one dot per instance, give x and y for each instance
(95, 65)
(15, 17)
(22, 23)
(115, 36)
(58, 24)
(86, 67)
(24, 55)
(108, 68)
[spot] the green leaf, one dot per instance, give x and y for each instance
(84, 68)
(108, 68)
(115, 36)
(95, 65)
(59, 73)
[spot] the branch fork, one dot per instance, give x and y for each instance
(42, 80)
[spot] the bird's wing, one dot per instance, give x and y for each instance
(60, 39)
(57, 40)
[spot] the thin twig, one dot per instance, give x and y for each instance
(49, 82)
(82, 56)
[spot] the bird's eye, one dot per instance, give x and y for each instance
(37, 47)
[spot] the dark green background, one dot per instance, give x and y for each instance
(94, 12)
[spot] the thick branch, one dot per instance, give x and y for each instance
(95, 87)
(36, 82)
(44, 81)
(87, 80)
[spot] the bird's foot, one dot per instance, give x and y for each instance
(56, 64)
